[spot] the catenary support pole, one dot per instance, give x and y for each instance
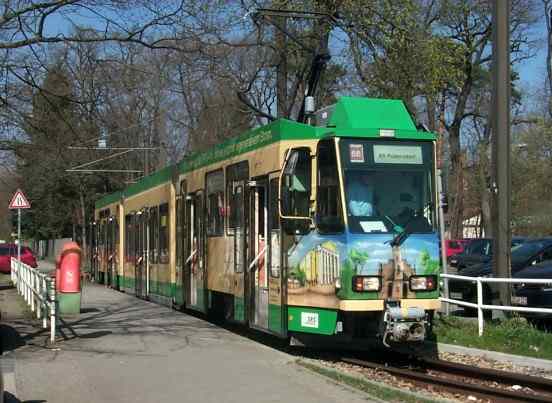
(501, 145)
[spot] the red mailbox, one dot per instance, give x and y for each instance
(68, 272)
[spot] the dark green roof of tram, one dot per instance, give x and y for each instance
(108, 199)
(351, 117)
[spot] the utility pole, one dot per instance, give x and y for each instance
(501, 145)
(281, 69)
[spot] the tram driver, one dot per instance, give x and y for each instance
(361, 194)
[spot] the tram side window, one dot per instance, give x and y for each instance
(274, 228)
(235, 174)
(214, 182)
(128, 238)
(179, 231)
(164, 233)
(153, 234)
(329, 217)
(100, 234)
(116, 223)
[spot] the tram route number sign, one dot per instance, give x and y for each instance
(19, 201)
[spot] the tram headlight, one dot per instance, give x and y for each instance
(366, 283)
(423, 283)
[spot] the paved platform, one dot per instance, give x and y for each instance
(122, 349)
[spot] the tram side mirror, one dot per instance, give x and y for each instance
(295, 191)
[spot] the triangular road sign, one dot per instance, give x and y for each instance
(19, 201)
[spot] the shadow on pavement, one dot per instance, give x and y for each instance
(89, 310)
(9, 398)
(10, 339)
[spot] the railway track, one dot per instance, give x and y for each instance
(489, 384)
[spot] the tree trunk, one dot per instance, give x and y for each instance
(430, 111)
(281, 71)
(548, 19)
(456, 184)
(486, 196)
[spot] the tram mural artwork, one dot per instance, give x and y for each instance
(318, 264)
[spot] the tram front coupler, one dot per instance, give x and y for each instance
(404, 325)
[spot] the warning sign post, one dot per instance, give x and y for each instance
(18, 202)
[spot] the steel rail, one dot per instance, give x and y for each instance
(454, 385)
(533, 382)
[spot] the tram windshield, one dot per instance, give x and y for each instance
(388, 186)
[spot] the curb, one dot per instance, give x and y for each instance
(497, 356)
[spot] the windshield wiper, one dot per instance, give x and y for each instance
(401, 233)
(396, 228)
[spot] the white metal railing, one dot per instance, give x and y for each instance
(480, 306)
(39, 291)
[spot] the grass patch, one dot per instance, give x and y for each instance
(512, 336)
(5, 278)
(374, 389)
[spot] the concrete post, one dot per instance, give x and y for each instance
(52, 300)
(501, 145)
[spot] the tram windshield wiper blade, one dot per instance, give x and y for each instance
(400, 233)
(400, 238)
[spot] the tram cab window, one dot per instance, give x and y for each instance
(153, 234)
(388, 185)
(214, 184)
(329, 217)
(164, 233)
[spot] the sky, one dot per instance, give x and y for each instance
(532, 71)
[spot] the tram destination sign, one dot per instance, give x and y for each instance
(385, 154)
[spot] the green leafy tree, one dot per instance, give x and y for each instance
(350, 268)
(429, 265)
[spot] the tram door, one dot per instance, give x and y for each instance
(94, 252)
(258, 253)
(141, 254)
(195, 274)
(238, 194)
(114, 254)
(111, 253)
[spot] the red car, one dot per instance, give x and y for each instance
(455, 246)
(9, 250)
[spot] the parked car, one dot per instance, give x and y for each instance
(524, 256)
(9, 250)
(477, 251)
(455, 246)
(535, 295)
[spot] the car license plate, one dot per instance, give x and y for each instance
(456, 295)
(519, 300)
